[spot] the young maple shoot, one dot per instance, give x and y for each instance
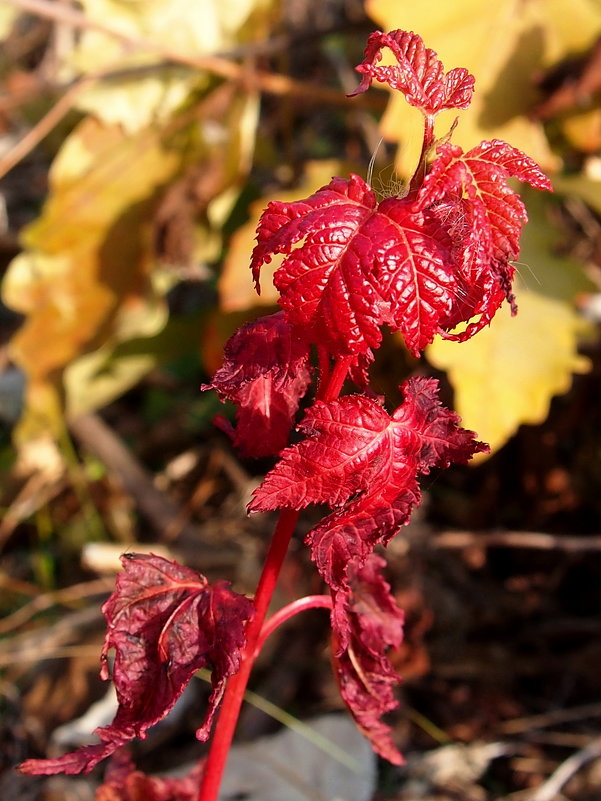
(423, 264)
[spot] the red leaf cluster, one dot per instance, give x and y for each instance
(364, 463)
(420, 265)
(357, 265)
(165, 622)
(419, 75)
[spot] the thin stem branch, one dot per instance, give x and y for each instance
(536, 540)
(551, 788)
(48, 122)
(288, 611)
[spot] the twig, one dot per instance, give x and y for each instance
(37, 491)
(35, 654)
(562, 739)
(217, 65)
(549, 790)
(99, 438)
(49, 121)
(41, 644)
(63, 597)
(519, 725)
(517, 539)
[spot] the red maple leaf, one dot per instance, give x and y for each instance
(419, 74)
(358, 457)
(354, 265)
(165, 622)
(483, 217)
(366, 623)
(265, 373)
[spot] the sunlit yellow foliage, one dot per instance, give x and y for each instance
(86, 280)
(508, 373)
(506, 45)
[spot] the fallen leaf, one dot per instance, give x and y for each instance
(288, 766)
(87, 279)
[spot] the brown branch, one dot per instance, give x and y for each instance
(45, 642)
(48, 122)
(516, 539)
(101, 440)
(47, 600)
(216, 65)
(554, 716)
(158, 509)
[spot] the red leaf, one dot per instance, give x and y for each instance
(335, 460)
(165, 622)
(353, 443)
(483, 216)
(352, 532)
(124, 783)
(359, 457)
(367, 622)
(419, 74)
(356, 267)
(265, 374)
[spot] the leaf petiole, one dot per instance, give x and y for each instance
(288, 611)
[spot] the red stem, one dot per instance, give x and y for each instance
(324, 367)
(420, 171)
(331, 390)
(225, 726)
(290, 610)
(236, 686)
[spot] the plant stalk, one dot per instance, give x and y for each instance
(229, 713)
(236, 686)
(291, 610)
(428, 141)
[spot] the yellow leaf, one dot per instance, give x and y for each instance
(190, 27)
(506, 45)
(508, 373)
(8, 15)
(584, 130)
(86, 279)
